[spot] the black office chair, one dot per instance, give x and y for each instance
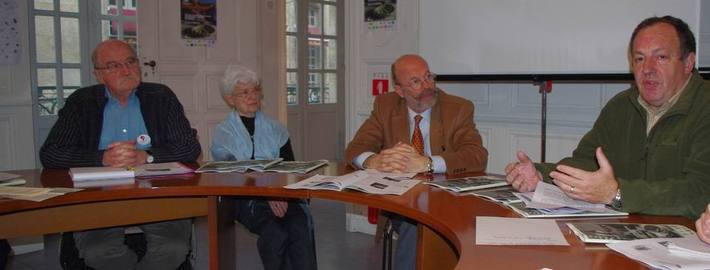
(70, 260)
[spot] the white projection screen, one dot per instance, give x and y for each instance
(537, 36)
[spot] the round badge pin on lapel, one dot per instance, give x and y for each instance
(143, 140)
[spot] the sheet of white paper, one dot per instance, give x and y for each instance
(329, 182)
(518, 231)
(549, 194)
(655, 253)
(22, 191)
(690, 246)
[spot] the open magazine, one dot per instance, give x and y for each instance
(358, 180)
(272, 165)
(469, 183)
(618, 232)
(236, 165)
(521, 209)
(293, 166)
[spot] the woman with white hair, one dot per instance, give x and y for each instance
(284, 226)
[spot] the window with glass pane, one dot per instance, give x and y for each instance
(330, 18)
(118, 20)
(291, 16)
(314, 53)
(330, 88)
(317, 68)
(45, 51)
(314, 18)
(314, 88)
(292, 88)
(47, 91)
(70, 40)
(331, 53)
(44, 4)
(57, 44)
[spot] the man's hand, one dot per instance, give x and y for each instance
(400, 158)
(123, 154)
(599, 186)
(702, 226)
(394, 159)
(522, 175)
(279, 208)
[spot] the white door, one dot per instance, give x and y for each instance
(314, 72)
(244, 31)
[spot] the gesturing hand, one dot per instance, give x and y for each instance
(702, 226)
(522, 175)
(599, 186)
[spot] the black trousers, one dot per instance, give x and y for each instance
(4, 253)
(284, 243)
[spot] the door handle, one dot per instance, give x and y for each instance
(150, 64)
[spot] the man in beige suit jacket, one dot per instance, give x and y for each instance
(451, 142)
(386, 135)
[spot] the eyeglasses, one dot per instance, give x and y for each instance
(116, 66)
(252, 92)
(417, 83)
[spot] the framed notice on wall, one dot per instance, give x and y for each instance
(380, 14)
(198, 22)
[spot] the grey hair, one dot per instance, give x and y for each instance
(236, 74)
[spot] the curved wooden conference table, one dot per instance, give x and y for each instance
(447, 221)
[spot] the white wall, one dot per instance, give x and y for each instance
(537, 36)
(17, 149)
(704, 35)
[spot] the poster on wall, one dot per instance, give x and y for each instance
(380, 14)
(9, 32)
(198, 19)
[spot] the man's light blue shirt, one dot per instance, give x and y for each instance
(438, 162)
(122, 123)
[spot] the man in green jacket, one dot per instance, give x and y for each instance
(649, 150)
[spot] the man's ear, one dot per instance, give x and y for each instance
(398, 90)
(98, 77)
(689, 63)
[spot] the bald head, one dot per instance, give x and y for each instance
(404, 63)
(108, 46)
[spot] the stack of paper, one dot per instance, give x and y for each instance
(364, 181)
(8, 179)
(657, 253)
(80, 174)
(32, 193)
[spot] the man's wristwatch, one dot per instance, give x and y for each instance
(616, 203)
(149, 158)
(430, 166)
